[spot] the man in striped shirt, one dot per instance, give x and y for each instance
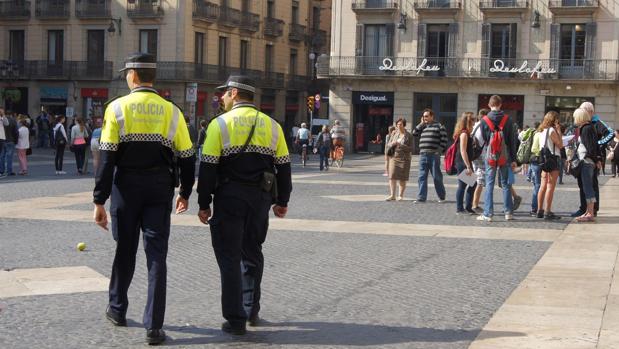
(432, 142)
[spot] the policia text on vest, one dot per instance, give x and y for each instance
(233, 164)
(141, 135)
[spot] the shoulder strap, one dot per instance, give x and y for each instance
(251, 135)
(489, 123)
(503, 122)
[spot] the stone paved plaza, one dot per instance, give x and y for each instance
(344, 269)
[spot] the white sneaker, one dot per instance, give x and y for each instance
(484, 218)
(440, 201)
(509, 217)
(57, 173)
(62, 173)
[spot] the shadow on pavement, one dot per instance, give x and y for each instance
(331, 333)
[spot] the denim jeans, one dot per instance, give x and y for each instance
(586, 174)
(491, 173)
(6, 158)
(430, 163)
(462, 188)
(324, 157)
(42, 139)
(536, 180)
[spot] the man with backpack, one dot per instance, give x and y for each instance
(498, 134)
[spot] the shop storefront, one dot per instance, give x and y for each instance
(513, 105)
(444, 106)
(565, 106)
(93, 100)
(372, 116)
(267, 102)
(54, 99)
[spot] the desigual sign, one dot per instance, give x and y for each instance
(409, 66)
(499, 67)
(373, 97)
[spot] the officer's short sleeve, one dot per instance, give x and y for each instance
(212, 148)
(109, 131)
(281, 152)
(182, 142)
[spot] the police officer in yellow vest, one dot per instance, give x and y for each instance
(244, 159)
(142, 135)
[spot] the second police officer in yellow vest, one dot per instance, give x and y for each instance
(244, 159)
(141, 135)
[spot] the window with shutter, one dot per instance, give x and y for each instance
(590, 66)
(421, 40)
(452, 52)
(390, 39)
(555, 31)
(513, 40)
(359, 40)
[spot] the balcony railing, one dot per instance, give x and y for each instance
(272, 80)
(503, 4)
(144, 9)
(374, 5)
(205, 10)
(229, 16)
(65, 70)
(52, 9)
(250, 21)
(93, 9)
(573, 3)
(209, 73)
(12, 70)
(583, 69)
(297, 82)
(273, 27)
(297, 32)
(439, 7)
(14, 10)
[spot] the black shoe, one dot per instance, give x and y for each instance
(115, 318)
(235, 330)
(577, 213)
(550, 216)
(471, 211)
(533, 213)
(253, 320)
(154, 337)
(540, 214)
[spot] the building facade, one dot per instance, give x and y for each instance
(64, 55)
(394, 58)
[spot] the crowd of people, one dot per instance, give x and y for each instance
(324, 143)
(489, 148)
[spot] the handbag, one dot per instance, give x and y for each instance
(28, 151)
(548, 161)
(575, 165)
(391, 150)
(477, 148)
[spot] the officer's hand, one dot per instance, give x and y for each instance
(204, 215)
(100, 216)
(181, 204)
(280, 211)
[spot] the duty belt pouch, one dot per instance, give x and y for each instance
(269, 184)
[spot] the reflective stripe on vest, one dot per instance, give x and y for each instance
(274, 135)
(120, 119)
(225, 136)
(173, 123)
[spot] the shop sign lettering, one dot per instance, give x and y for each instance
(499, 67)
(410, 66)
(373, 98)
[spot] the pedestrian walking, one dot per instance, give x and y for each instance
(95, 139)
(79, 134)
(245, 169)
(11, 134)
(432, 142)
(23, 144)
(551, 143)
(141, 134)
(590, 156)
(323, 147)
(464, 154)
(498, 135)
(44, 126)
(60, 142)
(400, 145)
(201, 137)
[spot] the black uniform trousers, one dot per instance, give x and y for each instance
(596, 189)
(238, 228)
(141, 201)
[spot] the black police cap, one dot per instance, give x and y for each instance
(140, 60)
(241, 82)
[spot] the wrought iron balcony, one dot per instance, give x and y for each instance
(573, 7)
(229, 16)
(93, 9)
(52, 9)
(361, 6)
(137, 9)
(440, 7)
(273, 27)
(297, 32)
(512, 68)
(250, 21)
(209, 73)
(503, 6)
(272, 80)
(14, 10)
(12, 70)
(297, 82)
(205, 10)
(65, 70)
